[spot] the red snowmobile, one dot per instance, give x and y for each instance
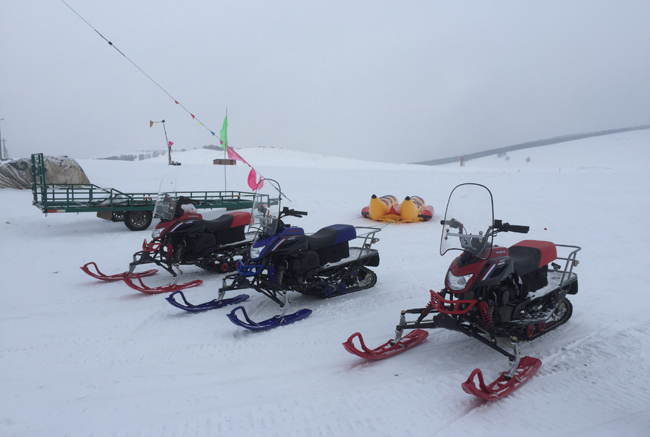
(183, 238)
(496, 295)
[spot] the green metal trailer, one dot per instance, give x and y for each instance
(134, 209)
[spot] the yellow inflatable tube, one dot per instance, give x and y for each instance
(387, 209)
(383, 207)
(411, 208)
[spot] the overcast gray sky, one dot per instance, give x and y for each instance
(397, 81)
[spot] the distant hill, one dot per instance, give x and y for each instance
(529, 144)
(147, 154)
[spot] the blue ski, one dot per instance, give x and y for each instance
(273, 322)
(211, 305)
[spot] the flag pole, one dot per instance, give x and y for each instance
(225, 179)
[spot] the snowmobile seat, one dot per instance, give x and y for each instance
(531, 259)
(228, 228)
(330, 236)
(226, 221)
(531, 255)
(218, 224)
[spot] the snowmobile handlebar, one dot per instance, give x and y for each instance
(507, 227)
(453, 223)
(292, 212)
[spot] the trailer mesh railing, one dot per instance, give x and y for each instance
(51, 198)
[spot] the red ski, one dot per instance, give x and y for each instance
(117, 277)
(142, 288)
(502, 387)
(387, 349)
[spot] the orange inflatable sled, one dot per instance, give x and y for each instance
(387, 209)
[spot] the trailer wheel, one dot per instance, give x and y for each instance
(138, 220)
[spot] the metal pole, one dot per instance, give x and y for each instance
(225, 180)
(169, 148)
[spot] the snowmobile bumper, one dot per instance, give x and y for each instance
(145, 257)
(249, 270)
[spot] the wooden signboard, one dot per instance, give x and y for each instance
(224, 162)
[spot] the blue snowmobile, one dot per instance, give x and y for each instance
(283, 258)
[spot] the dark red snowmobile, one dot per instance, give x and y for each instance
(183, 238)
(497, 295)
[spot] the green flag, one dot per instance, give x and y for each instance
(223, 135)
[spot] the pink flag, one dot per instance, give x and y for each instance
(234, 155)
(252, 180)
(171, 144)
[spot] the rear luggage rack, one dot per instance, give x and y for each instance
(571, 262)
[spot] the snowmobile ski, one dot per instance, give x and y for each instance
(211, 305)
(387, 349)
(142, 288)
(502, 387)
(117, 277)
(271, 323)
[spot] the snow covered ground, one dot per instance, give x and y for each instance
(80, 358)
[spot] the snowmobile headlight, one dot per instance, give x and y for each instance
(458, 283)
(156, 233)
(255, 252)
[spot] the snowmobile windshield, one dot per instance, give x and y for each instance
(468, 221)
(165, 206)
(265, 214)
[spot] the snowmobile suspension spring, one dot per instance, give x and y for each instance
(485, 312)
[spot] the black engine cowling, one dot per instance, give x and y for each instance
(196, 244)
(306, 262)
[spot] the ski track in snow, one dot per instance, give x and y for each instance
(81, 357)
